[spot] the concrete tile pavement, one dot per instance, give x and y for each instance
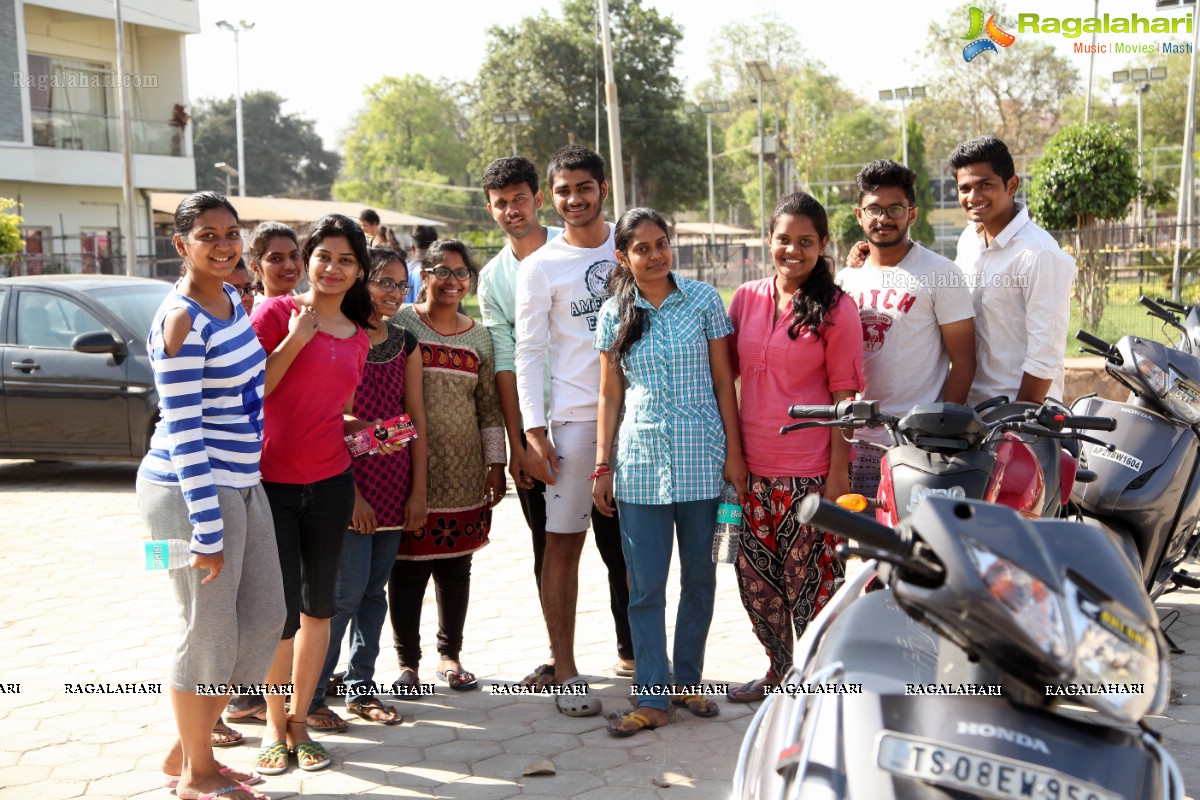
(62, 621)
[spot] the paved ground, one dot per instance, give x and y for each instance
(64, 622)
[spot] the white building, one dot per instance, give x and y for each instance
(60, 134)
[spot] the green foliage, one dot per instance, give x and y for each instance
(10, 228)
(407, 142)
(1087, 174)
(284, 154)
(921, 230)
(561, 56)
(844, 228)
(1157, 194)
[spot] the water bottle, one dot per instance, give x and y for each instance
(157, 555)
(729, 527)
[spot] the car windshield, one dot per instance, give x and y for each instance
(135, 305)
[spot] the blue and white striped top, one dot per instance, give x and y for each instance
(210, 396)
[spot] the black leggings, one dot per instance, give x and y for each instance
(406, 591)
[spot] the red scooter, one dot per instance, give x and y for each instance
(1001, 452)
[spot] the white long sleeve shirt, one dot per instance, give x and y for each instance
(560, 289)
(1021, 287)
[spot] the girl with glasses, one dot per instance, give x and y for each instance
(466, 465)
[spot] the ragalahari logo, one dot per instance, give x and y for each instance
(995, 36)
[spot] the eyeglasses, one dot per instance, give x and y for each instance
(244, 291)
(389, 285)
(894, 211)
(442, 273)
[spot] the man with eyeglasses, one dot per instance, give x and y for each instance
(915, 306)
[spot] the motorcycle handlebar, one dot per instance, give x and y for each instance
(813, 412)
(1153, 306)
(824, 514)
(1082, 423)
(1093, 341)
(1182, 309)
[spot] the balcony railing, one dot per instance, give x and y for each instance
(74, 130)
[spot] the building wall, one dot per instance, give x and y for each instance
(12, 113)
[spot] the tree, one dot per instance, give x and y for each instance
(561, 60)
(921, 230)
(408, 142)
(1087, 176)
(284, 154)
(1017, 94)
(10, 228)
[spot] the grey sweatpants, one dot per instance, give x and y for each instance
(231, 626)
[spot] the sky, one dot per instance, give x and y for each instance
(320, 58)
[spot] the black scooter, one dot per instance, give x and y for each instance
(952, 682)
(1147, 489)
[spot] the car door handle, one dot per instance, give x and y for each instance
(26, 366)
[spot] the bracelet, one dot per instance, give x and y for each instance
(601, 464)
(600, 470)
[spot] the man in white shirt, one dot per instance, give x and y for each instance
(1020, 280)
(511, 186)
(916, 312)
(560, 289)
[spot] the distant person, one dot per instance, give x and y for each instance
(797, 340)
(511, 186)
(1020, 280)
(917, 318)
(560, 289)
(665, 344)
(368, 220)
(274, 258)
(385, 238)
(466, 467)
(422, 237)
(200, 483)
(243, 283)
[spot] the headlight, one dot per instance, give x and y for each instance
(1151, 373)
(1036, 607)
(1117, 668)
(1182, 398)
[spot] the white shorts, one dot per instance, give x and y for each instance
(569, 500)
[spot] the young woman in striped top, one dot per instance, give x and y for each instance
(200, 483)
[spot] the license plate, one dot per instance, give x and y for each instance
(982, 774)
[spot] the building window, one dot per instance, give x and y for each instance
(39, 249)
(97, 249)
(69, 101)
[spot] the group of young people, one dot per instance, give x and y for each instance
(614, 380)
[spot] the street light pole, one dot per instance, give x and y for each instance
(229, 171)
(1141, 79)
(242, 25)
(130, 226)
(1183, 209)
(512, 119)
(903, 93)
(762, 73)
(617, 164)
(708, 109)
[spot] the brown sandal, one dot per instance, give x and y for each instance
(364, 706)
(327, 721)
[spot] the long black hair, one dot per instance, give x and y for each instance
(631, 323)
(814, 300)
(356, 303)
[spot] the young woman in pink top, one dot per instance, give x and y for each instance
(797, 339)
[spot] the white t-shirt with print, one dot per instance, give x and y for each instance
(902, 309)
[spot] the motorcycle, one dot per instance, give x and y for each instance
(1147, 489)
(952, 450)
(952, 681)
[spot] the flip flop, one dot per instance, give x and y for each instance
(750, 691)
(254, 716)
(237, 787)
(407, 686)
(458, 680)
(221, 729)
(267, 762)
(364, 706)
(698, 704)
(336, 723)
(643, 724)
(311, 750)
(622, 671)
(253, 780)
(541, 677)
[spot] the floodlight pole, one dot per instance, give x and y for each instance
(130, 226)
(1183, 207)
(614, 116)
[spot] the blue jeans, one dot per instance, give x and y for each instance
(647, 536)
(363, 572)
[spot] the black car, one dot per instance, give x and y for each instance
(75, 379)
